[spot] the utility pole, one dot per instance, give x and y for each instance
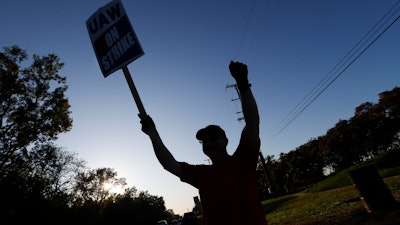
(235, 99)
(262, 159)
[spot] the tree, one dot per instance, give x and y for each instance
(336, 145)
(309, 162)
(134, 207)
(57, 169)
(33, 111)
(387, 113)
(281, 171)
(41, 186)
(149, 208)
(33, 107)
(93, 186)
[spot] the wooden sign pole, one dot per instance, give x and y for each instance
(135, 94)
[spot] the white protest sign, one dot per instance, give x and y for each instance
(113, 38)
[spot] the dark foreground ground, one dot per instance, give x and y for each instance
(362, 217)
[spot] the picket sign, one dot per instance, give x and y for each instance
(115, 43)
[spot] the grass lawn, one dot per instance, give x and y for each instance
(327, 207)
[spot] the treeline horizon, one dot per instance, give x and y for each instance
(372, 130)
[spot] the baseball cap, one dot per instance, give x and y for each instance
(211, 131)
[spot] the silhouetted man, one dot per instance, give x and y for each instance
(228, 187)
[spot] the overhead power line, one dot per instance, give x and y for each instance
(245, 28)
(340, 67)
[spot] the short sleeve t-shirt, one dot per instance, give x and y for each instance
(228, 190)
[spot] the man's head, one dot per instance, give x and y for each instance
(214, 141)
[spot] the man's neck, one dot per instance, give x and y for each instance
(220, 158)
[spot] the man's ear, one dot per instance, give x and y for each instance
(226, 141)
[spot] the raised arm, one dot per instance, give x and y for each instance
(163, 155)
(249, 106)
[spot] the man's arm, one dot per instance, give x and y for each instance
(250, 112)
(163, 155)
(249, 106)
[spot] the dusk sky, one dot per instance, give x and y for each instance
(310, 62)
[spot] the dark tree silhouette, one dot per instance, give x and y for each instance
(33, 110)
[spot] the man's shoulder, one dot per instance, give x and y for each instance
(186, 165)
